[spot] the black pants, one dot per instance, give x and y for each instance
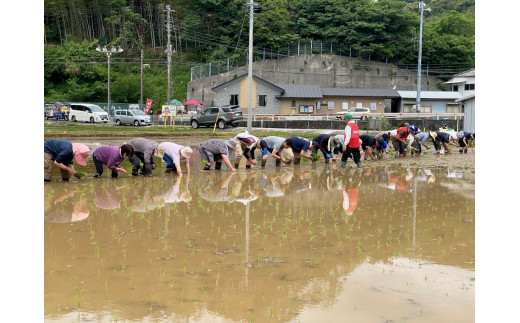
(352, 153)
(138, 158)
(99, 167)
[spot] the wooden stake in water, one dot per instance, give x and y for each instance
(215, 126)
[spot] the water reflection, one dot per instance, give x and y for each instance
(272, 244)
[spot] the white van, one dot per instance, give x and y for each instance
(87, 112)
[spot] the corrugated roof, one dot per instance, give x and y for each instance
(372, 93)
(301, 91)
(469, 95)
(469, 73)
(457, 80)
(433, 95)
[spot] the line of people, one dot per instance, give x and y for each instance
(350, 144)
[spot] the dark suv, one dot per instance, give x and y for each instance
(223, 116)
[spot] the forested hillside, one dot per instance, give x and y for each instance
(209, 30)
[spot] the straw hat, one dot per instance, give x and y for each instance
(433, 134)
(186, 152)
(161, 150)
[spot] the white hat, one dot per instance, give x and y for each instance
(186, 151)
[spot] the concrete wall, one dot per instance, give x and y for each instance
(316, 69)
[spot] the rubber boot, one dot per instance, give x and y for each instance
(327, 160)
(343, 164)
(236, 166)
(247, 166)
(135, 171)
(297, 161)
(278, 162)
(168, 170)
(262, 163)
(115, 174)
(359, 165)
(207, 167)
(218, 165)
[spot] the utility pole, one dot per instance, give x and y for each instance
(169, 52)
(109, 53)
(141, 98)
(250, 69)
(418, 99)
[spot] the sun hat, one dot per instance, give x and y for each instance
(231, 143)
(460, 134)
(433, 134)
(186, 152)
(80, 152)
(347, 116)
(161, 150)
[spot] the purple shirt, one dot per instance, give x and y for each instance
(109, 155)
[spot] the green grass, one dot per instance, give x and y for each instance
(71, 130)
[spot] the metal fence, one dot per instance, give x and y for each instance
(297, 48)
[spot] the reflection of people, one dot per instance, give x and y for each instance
(299, 146)
(351, 142)
(112, 156)
(173, 154)
(173, 193)
(246, 145)
(216, 150)
(62, 211)
(272, 144)
(60, 152)
(144, 149)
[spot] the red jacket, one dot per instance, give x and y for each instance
(354, 136)
(405, 129)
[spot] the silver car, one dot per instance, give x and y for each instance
(135, 117)
(223, 116)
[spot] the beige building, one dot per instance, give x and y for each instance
(269, 98)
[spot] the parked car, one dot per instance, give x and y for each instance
(359, 113)
(56, 110)
(135, 117)
(223, 116)
(87, 112)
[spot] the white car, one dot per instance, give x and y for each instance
(359, 113)
(87, 112)
(135, 117)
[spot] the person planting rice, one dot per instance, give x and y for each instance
(369, 144)
(144, 149)
(300, 146)
(464, 137)
(351, 142)
(112, 156)
(173, 154)
(441, 137)
(399, 141)
(326, 144)
(61, 152)
(246, 145)
(274, 145)
(216, 150)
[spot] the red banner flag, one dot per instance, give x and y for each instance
(148, 105)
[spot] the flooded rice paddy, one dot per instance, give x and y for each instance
(308, 243)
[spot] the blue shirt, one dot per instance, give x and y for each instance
(300, 144)
(60, 150)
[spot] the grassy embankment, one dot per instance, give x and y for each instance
(73, 130)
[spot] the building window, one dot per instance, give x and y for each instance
(455, 88)
(469, 87)
(330, 104)
(233, 99)
(262, 100)
(293, 104)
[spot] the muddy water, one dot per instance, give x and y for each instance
(295, 243)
